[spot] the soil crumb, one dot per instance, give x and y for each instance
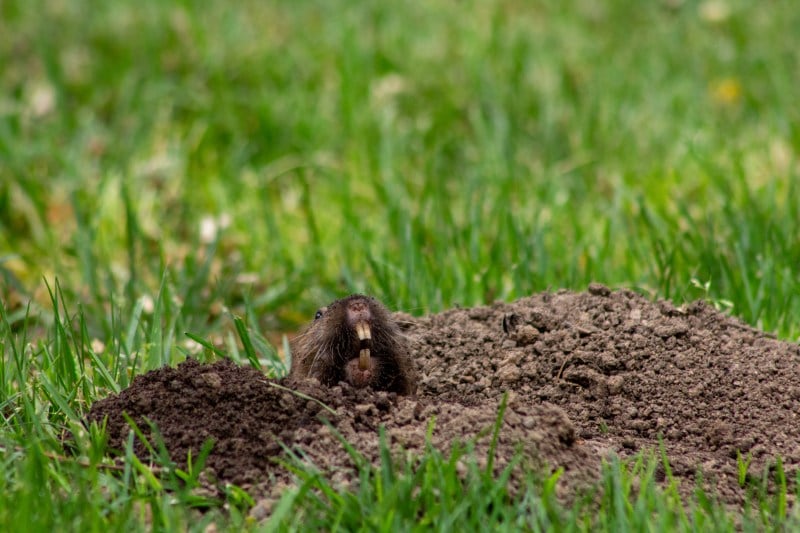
(588, 374)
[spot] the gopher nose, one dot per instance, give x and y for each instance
(358, 311)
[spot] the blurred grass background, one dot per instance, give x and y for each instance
(430, 153)
(163, 163)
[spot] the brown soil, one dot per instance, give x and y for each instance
(588, 374)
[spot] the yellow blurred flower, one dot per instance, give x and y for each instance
(726, 91)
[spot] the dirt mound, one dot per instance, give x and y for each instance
(627, 371)
(588, 374)
(248, 417)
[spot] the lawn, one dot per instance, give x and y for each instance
(168, 167)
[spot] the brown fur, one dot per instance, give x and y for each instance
(328, 348)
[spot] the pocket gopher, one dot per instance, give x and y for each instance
(355, 340)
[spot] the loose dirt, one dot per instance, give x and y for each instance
(588, 374)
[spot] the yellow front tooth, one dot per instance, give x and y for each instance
(363, 331)
(363, 359)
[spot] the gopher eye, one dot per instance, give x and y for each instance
(319, 314)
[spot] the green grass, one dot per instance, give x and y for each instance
(430, 153)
